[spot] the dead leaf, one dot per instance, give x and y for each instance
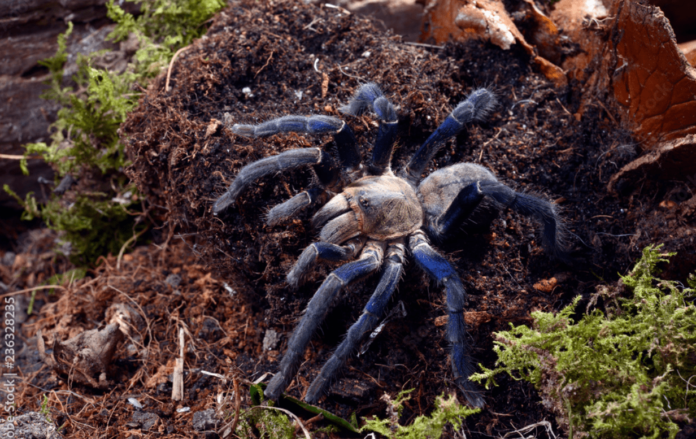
(212, 127)
(324, 84)
(487, 19)
(546, 285)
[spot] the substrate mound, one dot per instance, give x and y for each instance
(260, 61)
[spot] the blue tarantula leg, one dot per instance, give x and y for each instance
(367, 322)
(440, 270)
(476, 107)
(462, 206)
(291, 124)
(323, 251)
(348, 152)
(347, 145)
(537, 208)
(369, 261)
(293, 158)
(290, 208)
(370, 96)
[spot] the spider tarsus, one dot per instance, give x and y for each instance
(244, 130)
(292, 207)
(363, 99)
(477, 106)
(222, 203)
(471, 392)
(306, 259)
(546, 213)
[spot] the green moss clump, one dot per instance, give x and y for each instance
(84, 133)
(615, 374)
(267, 424)
(84, 141)
(162, 27)
(447, 411)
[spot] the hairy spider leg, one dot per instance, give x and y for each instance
(349, 156)
(291, 207)
(537, 208)
(475, 108)
(347, 145)
(323, 251)
(370, 96)
(466, 201)
(440, 270)
(367, 322)
(370, 260)
(293, 158)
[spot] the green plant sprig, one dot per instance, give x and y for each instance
(84, 141)
(617, 373)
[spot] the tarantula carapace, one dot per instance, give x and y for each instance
(374, 215)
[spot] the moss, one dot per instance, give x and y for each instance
(260, 422)
(84, 138)
(613, 373)
(447, 411)
(263, 421)
(162, 27)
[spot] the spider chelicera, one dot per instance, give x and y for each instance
(374, 214)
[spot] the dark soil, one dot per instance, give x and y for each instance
(535, 141)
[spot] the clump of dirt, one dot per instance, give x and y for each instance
(260, 61)
(164, 288)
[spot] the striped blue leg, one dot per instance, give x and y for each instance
(541, 210)
(369, 96)
(293, 206)
(370, 260)
(475, 108)
(323, 251)
(440, 270)
(327, 174)
(365, 324)
(293, 158)
(348, 152)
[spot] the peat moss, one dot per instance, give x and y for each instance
(617, 373)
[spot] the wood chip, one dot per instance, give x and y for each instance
(324, 84)
(546, 285)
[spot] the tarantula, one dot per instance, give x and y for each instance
(374, 215)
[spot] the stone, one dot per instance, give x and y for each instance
(31, 425)
(145, 420)
(205, 420)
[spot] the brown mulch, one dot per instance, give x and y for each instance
(169, 290)
(232, 268)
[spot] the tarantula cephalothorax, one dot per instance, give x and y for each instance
(373, 215)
